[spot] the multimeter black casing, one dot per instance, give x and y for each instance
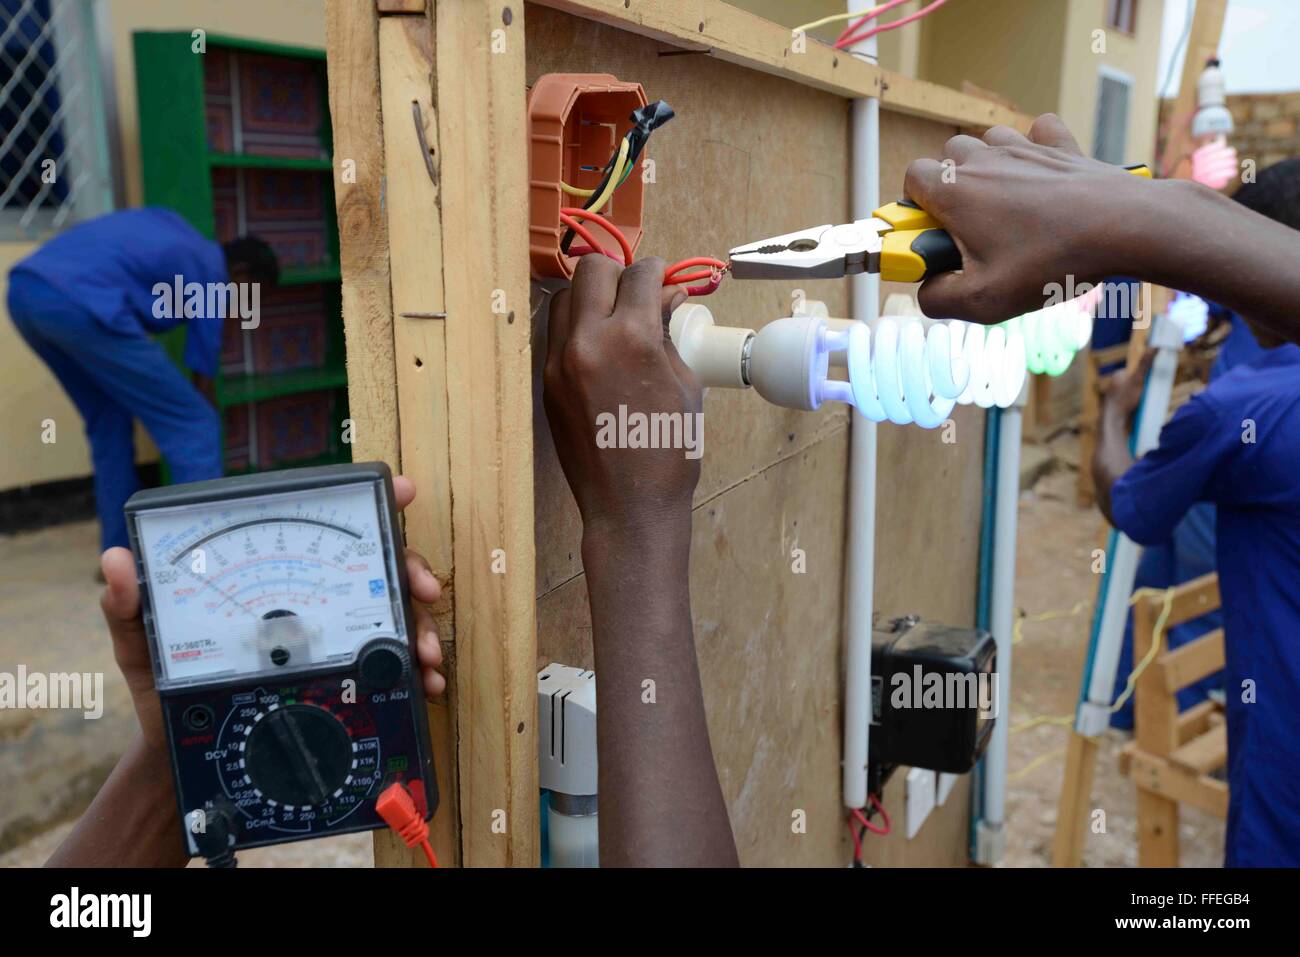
(910, 658)
(335, 737)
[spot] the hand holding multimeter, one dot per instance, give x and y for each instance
(287, 721)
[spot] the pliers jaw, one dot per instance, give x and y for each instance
(822, 252)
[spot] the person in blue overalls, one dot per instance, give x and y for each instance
(1189, 552)
(1237, 445)
(88, 301)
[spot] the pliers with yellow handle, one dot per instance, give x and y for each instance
(900, 241)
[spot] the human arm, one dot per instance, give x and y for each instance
(1112, 456)
(1198, 448)
(133, 821)
(203, 346)
(660, 801)
(1028, 212)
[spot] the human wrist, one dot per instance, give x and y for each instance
(650, 525)
(1145, 211)
(635, 536)
(1117, 240)
(1114, 418)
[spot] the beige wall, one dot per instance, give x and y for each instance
(28, 393)
(1010, 47)
(1136, 56)
(28, 396)
(897, 48)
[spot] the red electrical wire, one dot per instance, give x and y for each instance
(870, 15)
(570, 216)
(857, 841)
(397, 807)
(844, 42)
(714, 274)
(428, 854)
(862, 818)
(583, 250)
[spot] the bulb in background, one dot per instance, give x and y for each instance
(1192, 315)
(1055, 334)
(1214, 164)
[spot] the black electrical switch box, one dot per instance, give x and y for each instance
(934, 691)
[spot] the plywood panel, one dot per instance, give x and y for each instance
(721, 177)
(751, 155)
(768, 640)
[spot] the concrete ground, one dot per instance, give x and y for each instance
(1053, 575)
(52, 762)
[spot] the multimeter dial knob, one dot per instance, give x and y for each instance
(298, 755)
(384, 663)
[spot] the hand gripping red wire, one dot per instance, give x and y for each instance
(571, 217)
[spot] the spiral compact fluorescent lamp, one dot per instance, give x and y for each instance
(1214, 164)
(898, 371)
(1214, 161)
(908, 375)
(995, 356)
(1046, 340)
(1053, 336)
(901, 369)
(1191, 313)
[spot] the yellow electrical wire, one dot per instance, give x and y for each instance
(1156, 633)
(1065, 720)
(1041, 759)
(620, 163)
(835, 18)
(1017, 629)
(576, 190)
(1130, 684)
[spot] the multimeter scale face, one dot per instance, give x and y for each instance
(267, 585)
(276, 613)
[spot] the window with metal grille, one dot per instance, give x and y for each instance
(1122, 15)
(54, 167)
(1110, 133)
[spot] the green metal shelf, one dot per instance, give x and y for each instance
(238, 390)
(264, 46)
(251, 161)
(332, 457)
(177, 164)
(305, 275)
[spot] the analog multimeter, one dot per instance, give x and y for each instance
(283, 651)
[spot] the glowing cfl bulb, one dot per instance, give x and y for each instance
(906, 375)
(1053, 335)
(1215, 163)
(996, 358)
(1192, 315)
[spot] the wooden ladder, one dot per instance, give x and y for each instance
(1173, 756)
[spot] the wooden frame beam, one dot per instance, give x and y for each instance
(419, 340)
(352, 38)
(466, 424)
(714, 28)
(482, 174)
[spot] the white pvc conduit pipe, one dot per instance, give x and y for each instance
(861, 564)
(990, 835)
